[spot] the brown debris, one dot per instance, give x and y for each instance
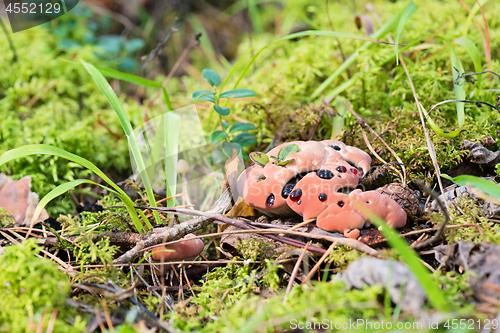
(482, 259)
(16, 197)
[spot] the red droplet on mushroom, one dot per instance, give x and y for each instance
(340, 203)
(341, 169)
(354, 171)
(295, 195)
(270, 200)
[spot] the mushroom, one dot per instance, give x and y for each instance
(382, 206)
(267, 187)
(353, 155)
(183, 168)
(188, 249)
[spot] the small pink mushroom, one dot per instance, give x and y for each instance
(382, 206)
(188, 249)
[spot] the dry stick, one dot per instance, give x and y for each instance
(416, 232)
(294, 272)
(320, 261)
(352, 243)
(52, 321)
(343, 241)
(430, 146)
(157, 50)
(446, 218)
(372, 150)
(364, 124)
(299, 225)
(176, 232)
(179, 61)
(106, 314)
(99, 320)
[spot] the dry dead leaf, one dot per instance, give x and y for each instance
(16, 197)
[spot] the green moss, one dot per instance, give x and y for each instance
(32, 288)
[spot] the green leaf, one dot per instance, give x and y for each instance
(259, 158)
(238, 93)
(228, 148)
(133, 45)
(42, 149)
(201, 93)
(405, 16)
(283, 163)
(287, 150)
(110, 95)
(410, 257)
(222, 110)
(489, 188)
(245, 139)
(218, 136)
(473, 53)
(211, 77)
(237, 127)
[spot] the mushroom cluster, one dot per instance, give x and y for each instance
(316, 179)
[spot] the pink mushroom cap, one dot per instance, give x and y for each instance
(189, 248)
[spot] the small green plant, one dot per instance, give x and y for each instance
(226, 133)
(262, 159)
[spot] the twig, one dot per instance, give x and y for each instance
(446, 218)
(416, 232)
(364, 124)
(299, 225)
(320, 261)
(294, 272)
(195, 41)
(106, 314)
(430, 146)
(177, 231)
(157, 50)
(11, 44)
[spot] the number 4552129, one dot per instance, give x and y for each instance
(471, 324)
(33, 8)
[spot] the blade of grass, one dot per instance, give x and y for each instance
(384, 30)
(405, 16)
(487, 33)
(457, 69)
(410, 257)
(106, 89)
(482, 185)
(254, 14)
(205, 42)
(42, 149)
(136, 80)
(61, 189)
(473, 53)
(293, 36)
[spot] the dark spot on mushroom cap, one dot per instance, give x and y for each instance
(299, 202)
(287, 190)
(368, 202)
(324, 174)
(341, 169)
(340, 203)
(322, 196)
(335, 147)
(354, 171)
(295, 195)
(270, 201)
